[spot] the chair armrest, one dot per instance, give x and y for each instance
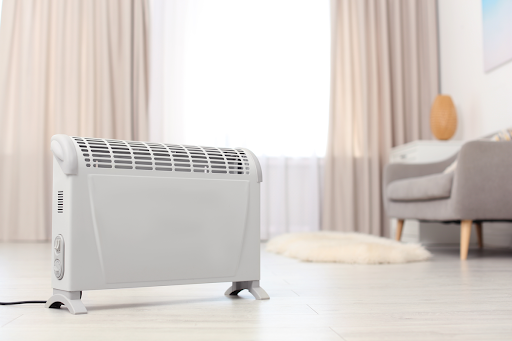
(397, 171)
(482, 185)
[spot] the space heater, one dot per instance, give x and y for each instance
(135, 214)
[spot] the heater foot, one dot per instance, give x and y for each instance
(253, 287)
(71, 299)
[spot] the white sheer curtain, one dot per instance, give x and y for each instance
(251, 74)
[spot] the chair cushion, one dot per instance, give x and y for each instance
(430, 187)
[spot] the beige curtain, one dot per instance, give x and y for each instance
(384, 79)
(66, 66)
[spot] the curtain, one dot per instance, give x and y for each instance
(290, 194)
(251, 74)
(66, 66)
(384, 77)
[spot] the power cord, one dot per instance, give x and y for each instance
(21, 302)
(27, 302)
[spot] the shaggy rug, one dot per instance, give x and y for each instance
(354, 248)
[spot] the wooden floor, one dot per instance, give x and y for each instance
(442, 299)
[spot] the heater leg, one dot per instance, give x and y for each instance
(253, 287)
(71, 299)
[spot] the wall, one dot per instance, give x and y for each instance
(483, 100)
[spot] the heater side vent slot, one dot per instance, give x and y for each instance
(60, 202)
(147, 156)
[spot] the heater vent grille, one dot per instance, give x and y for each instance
(119, 154)
(60, 201)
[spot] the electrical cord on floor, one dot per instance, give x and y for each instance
(27, 302)
(21, 302)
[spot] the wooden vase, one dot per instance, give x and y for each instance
(443, 118)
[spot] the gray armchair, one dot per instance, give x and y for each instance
(479, 190)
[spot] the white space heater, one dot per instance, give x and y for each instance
(135, 214)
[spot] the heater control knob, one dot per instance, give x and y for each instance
(58, 256)
(57, 269)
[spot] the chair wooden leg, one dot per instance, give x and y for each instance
(465, 234)
(479, 235)
(399, 228)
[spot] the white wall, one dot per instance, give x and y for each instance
(483, 100)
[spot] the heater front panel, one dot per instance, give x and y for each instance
(151, 229)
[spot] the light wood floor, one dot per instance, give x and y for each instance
(442, 299)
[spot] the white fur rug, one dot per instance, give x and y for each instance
(354, 248)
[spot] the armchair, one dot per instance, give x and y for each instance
(478, 190)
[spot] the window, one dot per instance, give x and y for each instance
(249, 74)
